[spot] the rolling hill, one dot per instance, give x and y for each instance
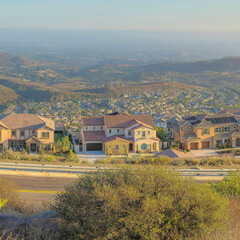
(7, 60)
(227, 64)
(7, 95)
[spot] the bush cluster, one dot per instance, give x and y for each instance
(166, 161)
(137, 202)
(230, 185)
(42, 157)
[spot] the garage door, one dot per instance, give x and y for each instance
(94, 146)
(206, 144)
(193, 146)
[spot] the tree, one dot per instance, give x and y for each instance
(161, 134)
(63, 145)
(139, 203)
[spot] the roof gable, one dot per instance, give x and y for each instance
(26, 121)
(125, 121)
(92, 121)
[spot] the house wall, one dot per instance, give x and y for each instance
(126, 133)
(149, 133)
(94, 128)
(114, 132)
(110, 147)
(46, 140)
(148, 142)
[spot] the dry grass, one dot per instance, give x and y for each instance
(232, 231)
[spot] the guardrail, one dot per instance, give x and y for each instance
(82, 170)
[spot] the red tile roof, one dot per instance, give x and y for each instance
(93, 135)
(124, 120)
(92, 121)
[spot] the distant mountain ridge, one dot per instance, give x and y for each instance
(8, 60)
(227, 64)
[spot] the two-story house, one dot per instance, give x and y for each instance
(209, 131)
(168, 121)
(119, 134)
(18, 131)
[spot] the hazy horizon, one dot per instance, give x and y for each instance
(175, 15)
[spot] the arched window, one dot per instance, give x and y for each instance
(144, 146)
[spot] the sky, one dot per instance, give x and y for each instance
(139, 15)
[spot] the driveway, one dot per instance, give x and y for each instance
(91, 156)
(204, 152)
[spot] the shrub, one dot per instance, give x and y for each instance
(2, 203)
(139, 203)
(72, 157)
(10, 154)
(230, 185)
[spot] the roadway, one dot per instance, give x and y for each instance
(37, 182)
(38, 186)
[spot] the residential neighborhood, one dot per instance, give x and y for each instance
(160, 104)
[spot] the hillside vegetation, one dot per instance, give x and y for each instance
(7, 95)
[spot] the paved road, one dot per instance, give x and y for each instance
(38, 184)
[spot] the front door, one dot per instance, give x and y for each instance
(33, 147)
(130, 146)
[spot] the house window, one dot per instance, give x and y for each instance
(93, 128)
(216, 130)
(33, 132)
(14, 133)
(45, 134)
(143, 134)
(129, 132)
(148, 132)
(110, 130)
(101, 127)
(182, 129)
(109, 146)
(144, 146)
(118, 131)
(205, 132)
(47, 147)
(234, 127)
(22, 134)
(86, 128)
(138, 133)
(117, 147)
(226, 129)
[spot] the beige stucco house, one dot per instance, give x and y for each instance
(119, 134)
(18, 131)
(209, 131)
